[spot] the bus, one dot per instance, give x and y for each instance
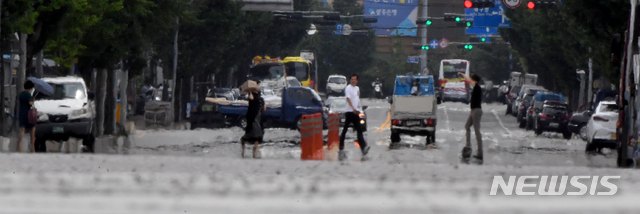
(299, 68)
(449, 69)
(271, 73)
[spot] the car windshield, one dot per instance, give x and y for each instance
(516, 89)
(62, 91)
(609, 108)
(338, 80)
(528, 97)
(294, 82)
(554, 110)
(341, 104)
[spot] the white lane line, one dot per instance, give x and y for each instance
(500, 121)
(446, 116)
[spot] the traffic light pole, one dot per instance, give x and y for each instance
(423, 54)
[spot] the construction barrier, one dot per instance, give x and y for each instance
(333, 135)
(306, 137)
(311, 142)
(318, 142)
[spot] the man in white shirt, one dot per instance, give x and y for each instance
(352, 116)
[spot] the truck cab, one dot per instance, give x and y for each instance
(413, 108)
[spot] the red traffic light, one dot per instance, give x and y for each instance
(531, 5)
(468, 4)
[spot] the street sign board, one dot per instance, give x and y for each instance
(395, 17)
(434, 44)
(346, 29)
(511, 3)
(413, 59)
(307, 55)
(489, 17)
(444, 43)
(481, 30)
(339, 28)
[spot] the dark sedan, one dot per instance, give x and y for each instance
(339, 105)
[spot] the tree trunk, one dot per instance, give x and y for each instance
(111, 105)
(124, 78)
(101, 95)
(2, 115)
(39, 72)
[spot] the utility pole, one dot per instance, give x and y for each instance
(590, 88)
(175, 68)
(423, 53)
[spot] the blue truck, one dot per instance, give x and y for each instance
(295, 102)
(413, 108)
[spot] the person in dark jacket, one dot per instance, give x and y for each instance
(254, 131)
(474, 116)
(26, 101)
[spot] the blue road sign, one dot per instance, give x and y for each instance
(395, 17)
(434, 44)
(481, 30)
(339, 28)
(489, 17)
(413, 59)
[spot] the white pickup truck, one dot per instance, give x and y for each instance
(413, 108)
(70, 112)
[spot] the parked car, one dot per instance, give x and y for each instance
(69, 112)
(521, 116)
(601, 128)
(579, 120)
(537, 104)
(511, 97)
(578, 123)
(523, 91)
(336, 85)
(340, 105)
(455, 91)
(554, 117)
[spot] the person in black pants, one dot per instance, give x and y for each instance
(352, 116)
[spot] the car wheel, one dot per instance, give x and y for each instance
(529, 124)
(522, 124)
(395, 137)
(583, 132)
(89, 143)
(589, 147)
(538, 130)
(519, 118)
(566, 134)
(508, 109)
(298, 124)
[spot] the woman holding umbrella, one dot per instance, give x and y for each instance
(26, 101)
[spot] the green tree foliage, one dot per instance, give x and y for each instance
(554, 43)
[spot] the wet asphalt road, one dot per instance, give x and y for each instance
(504, 142)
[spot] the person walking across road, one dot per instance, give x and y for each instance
(352, 116)
(26, 101)
(474, 116)
(254, 131)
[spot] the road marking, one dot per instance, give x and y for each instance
(142, 134)
(500, 121)
(384, 125)
(446, 116)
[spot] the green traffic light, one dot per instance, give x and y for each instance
(468, 24)
(457, 19)
(428, 22)
(425, 47)
(470, 47)
(483, 39)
